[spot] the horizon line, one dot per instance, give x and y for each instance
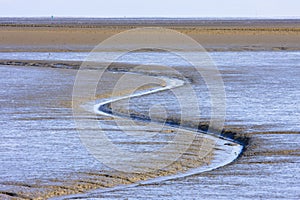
(158, 17)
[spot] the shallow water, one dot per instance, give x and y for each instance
(39, 139)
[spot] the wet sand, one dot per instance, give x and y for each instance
(84, 35)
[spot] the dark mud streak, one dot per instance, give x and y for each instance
(14, 195)
(17, 184)
(239, 138)
(66, 65)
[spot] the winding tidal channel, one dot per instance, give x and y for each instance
(42, 156)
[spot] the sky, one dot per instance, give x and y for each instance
(150, 8)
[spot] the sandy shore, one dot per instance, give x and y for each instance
(34, 35)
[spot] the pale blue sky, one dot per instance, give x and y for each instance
(151, 8)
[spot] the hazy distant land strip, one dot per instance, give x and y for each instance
(195, 22)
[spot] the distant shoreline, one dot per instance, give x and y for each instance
(148, 21)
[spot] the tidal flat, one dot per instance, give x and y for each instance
(42, 155)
